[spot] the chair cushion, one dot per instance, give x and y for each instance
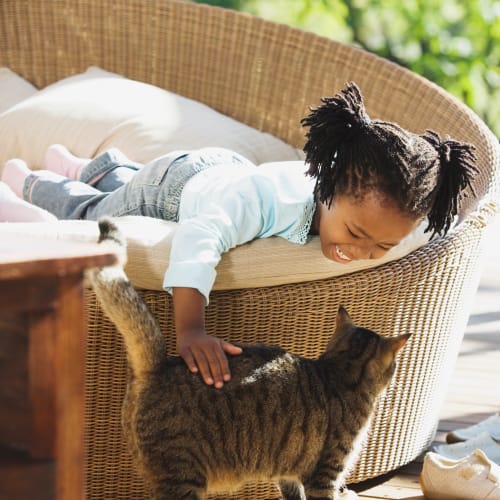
(263, 262)
(13, 89)
(95, 110)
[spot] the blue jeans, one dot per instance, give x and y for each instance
(108, 187)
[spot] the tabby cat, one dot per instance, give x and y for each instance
(281, 417)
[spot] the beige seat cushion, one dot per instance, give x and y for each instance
(264, 262)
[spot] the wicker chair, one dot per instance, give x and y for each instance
(267, 75)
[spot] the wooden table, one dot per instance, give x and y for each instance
(41, 284)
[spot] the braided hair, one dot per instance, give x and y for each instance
(350, 154)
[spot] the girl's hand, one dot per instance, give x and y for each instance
(206, 354)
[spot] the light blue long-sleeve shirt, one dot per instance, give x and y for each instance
(225, 206)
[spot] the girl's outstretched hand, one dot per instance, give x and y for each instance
(206, 354)
(202, 353)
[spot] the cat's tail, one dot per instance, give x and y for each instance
(139, 328)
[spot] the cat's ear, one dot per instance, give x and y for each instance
(343, 319)
(343, 323)
(397, 343)
(390, 346)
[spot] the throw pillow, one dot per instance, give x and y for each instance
(95, 110)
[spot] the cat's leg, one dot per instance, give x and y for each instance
(291, 490)
(324, 494)
(328, 478)
(182, 491)
(179, 486)
(174, 470)
(322, 484)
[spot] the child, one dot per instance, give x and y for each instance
(368, 185)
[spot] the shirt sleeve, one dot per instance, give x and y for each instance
(200, 240)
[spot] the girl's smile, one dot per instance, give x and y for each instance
(354, 229)
(339, 254)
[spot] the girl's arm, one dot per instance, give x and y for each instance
(251, 208)
(201, 352)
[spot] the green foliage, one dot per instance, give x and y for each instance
(228, 4)
(454, 43)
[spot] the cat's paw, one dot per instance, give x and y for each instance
(346, 494)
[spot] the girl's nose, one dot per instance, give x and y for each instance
(367, 252)
(361, 252)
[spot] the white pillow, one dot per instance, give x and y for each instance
(95, 110)
(13, 88)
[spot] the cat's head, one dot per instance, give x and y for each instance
(360, 351)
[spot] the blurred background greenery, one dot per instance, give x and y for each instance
(454, 43)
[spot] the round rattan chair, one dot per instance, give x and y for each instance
(267, 75)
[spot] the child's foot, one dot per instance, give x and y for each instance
(60, 160)
(14, 174)
(14, 209)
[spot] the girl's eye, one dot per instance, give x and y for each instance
(385, 248)
(353, 234)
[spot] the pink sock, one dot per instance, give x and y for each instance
(58, 159)
(14, 209)
(14, 174)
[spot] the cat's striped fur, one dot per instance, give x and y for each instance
(281, 417)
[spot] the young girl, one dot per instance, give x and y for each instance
(368, 184)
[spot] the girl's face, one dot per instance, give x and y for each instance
(353, 229)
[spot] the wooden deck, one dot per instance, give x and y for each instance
(474, 391)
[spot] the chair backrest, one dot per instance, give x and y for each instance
(262, 73)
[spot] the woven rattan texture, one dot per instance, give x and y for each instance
(268, 75)
(262, 73)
